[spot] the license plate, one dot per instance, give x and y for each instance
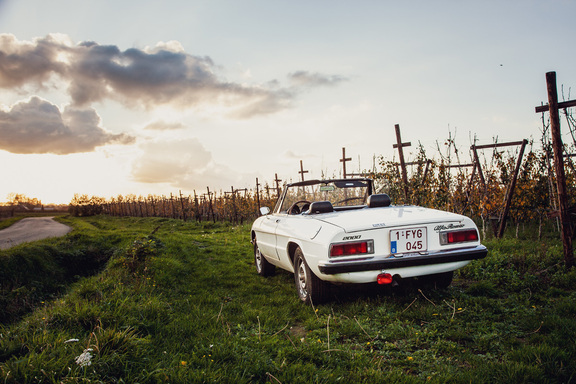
(408, 240)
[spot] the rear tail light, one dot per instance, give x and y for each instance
(455, 237)
(352, 249)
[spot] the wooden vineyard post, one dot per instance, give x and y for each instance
(197, 208)
(450, 166)
(182, 205)
(477, 166)
(257, 198)
(499, 232)
(511, 190)
(343, 160)
(428, 163)
(210, 206)
(233, 197)
(426, 170)
(153, 207)
(557, 146)
(424, 177)
(399, 144)
(277, 181)
(240, 210)
(302, 171)
(173, 210)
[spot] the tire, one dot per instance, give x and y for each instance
(263, 266)
(311, 290)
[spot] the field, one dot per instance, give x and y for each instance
(180, 302)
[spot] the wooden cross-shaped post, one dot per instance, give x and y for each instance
(302, 171)
(399, 144)
(277, 181)
(343, 160)
(553, 107)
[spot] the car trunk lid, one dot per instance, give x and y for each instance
(395, 216)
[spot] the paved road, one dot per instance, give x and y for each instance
(31, 229)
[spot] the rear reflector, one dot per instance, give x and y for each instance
(351, 249)
(455, 237)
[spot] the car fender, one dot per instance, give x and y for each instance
(316, 248)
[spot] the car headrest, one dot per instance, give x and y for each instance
(379, 200)
(321, 207)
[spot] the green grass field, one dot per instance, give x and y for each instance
(176, 302)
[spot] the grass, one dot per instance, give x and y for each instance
(181, 303)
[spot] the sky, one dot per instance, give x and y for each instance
(109, 98)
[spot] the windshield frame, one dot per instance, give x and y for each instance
(354, 190)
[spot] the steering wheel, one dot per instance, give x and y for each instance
(294, 209)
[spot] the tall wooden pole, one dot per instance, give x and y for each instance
(302, 171)
(277, 181)
(343, 160)
(559, 168)
(257, 197)
(399, 144)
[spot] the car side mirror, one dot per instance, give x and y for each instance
(264, 211)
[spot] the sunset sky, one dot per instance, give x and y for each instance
(104, 97)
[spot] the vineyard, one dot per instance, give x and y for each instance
(444, 182)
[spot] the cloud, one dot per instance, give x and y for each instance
(29, 62)
(307, 79)
(142, 78)
(183, 164)
(134, 77)
(37, 126)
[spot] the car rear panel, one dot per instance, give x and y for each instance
(420, 254)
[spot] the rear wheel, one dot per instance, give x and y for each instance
(263, 266)
(310, 288)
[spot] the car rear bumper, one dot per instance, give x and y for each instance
(455, 255)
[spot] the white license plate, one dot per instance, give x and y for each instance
(408, 240)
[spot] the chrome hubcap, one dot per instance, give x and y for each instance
(258, 258)
(302, 279)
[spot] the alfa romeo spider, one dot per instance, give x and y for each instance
(338, 231)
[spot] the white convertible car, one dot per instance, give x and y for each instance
(338, 231)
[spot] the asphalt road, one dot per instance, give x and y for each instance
(31, 229)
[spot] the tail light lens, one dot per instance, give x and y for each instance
(455, 237)
(384, 279)
(352, 249)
